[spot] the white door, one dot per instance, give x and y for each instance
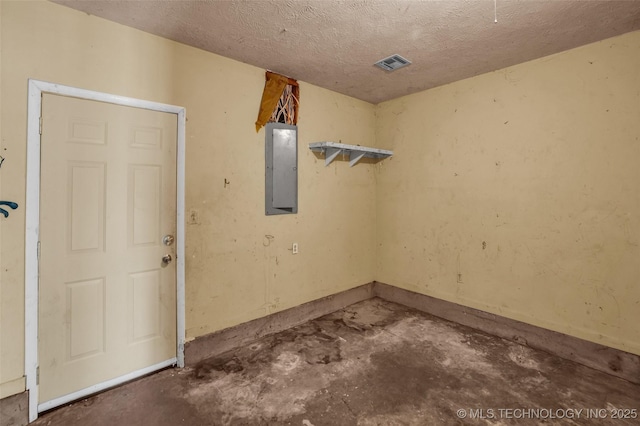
(107, 299)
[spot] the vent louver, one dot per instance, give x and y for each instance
(393, 62)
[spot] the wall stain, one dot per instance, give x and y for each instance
(267, 240)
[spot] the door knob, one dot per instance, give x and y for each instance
(166, 259)
(167, 240)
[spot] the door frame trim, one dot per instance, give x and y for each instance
(32, 225)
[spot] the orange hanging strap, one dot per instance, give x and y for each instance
(273, 88)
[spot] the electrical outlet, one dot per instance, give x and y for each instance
(294, 248)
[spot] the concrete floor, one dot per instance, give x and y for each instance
(373, 363)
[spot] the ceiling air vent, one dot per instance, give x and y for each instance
(392, 63)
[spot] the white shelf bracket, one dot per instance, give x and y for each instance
(330, 155)
(355, 156)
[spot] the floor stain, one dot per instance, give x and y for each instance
(373, 363)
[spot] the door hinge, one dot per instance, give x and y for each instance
(38, 250)
(40, 128)
(37, 375)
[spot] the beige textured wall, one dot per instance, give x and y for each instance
(526, 182)
(234, 272)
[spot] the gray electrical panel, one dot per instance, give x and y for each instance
(281, 164)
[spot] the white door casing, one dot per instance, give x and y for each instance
(110, 310)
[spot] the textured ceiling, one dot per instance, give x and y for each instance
(334, 43)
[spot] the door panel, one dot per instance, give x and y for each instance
(144, 208)
(85, 303)
(107, 302)
(86, 193)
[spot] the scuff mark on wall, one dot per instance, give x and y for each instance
(267, 240)
(602, 293)
(267, 305)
